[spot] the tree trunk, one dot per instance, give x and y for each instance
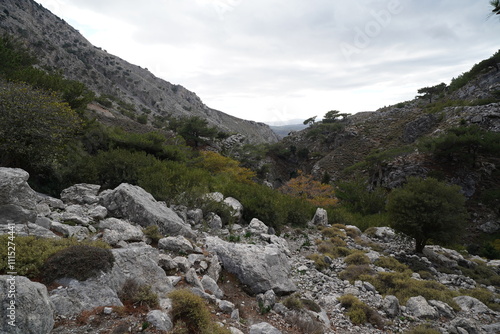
(419, 245)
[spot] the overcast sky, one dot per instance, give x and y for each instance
(275, 60)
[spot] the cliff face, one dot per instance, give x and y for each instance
(60, 47)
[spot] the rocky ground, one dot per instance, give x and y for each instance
(253, 280)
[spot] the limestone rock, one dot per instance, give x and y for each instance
(116, 230)
(34, 312)
(236, 207)
(210, 285)
(320, 217)
(420, 308)
(261, 268)
(160, 320)
(263, 328)
(17, 199)
(257, 227)
(176, 244)
(471, 305)
(138, 206)
(82, 193)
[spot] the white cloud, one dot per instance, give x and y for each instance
(271, 59)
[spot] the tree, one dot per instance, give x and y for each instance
(35, 127)
(429, 92)
(194, 130)
(427, 209)
(332, 115)
(310, 121)
(496, 7)
(314, 192)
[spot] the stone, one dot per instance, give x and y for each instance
(225, 306)
(215, 196)
(17, 199)
(384, 233)
(29, 229)
(235, 206)
(420, 308)
(195, 217)
(177, 244)
(257, 227)
(464, 325)
(214, 221)
(210, 285)
(82, 193)
(266, 300)
(138, 206)
(320, 217)
(160, 320)
(263, 328)
(261, 268)
(79, 232)
(34, 312)
(489, 227)
(215, 268)
(116, 230)
(443, 309)
(76, 213)
(471, 305)
(192, 278)
(74, 296)
(235, 330)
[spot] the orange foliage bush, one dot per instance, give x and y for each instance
(315, 192)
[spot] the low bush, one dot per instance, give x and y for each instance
(32, 252)
(357, 258)
(293, 302)
(391, 263)
(190, 314)
(423, 329)
(152, 232)
(359, 312)
(355, 272)
(80, 262)
(138, 295)
(319, 261)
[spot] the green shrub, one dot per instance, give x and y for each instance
(359, 312)
(132, 292)
(293, 302)
(357, 258)
(152, 232)
(80, 262)
(32, 252)
(391, 263)
(354, 272)
(190, 313)
(423, 329)
(319, 261)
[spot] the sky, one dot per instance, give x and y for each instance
(277, 60)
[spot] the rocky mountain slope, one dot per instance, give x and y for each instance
(252, 280)
(133, 90)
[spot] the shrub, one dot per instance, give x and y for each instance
(153, 233)
(359, 312)
(32, 252)
(333, 231)
(390, 263)
(319, 261)
(357, 258)
(80, 262)
(190, 313)
(293, 302)
(354, 272)
(140, 295)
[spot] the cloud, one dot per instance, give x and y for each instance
(259, 59)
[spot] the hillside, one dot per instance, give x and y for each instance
(128, 91)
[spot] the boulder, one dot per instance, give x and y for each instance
(79, 232)
(17, 199)
(210, 285)
(263, 328)
(261, 268)
(225, 306)
(138, 206)
(320, 217)
(25, 306)
(82, 193)
(176, 244)
(235, 206)
(420, 308)
(471, 305)
(257, 227)
(443, 309)
(116, 230)
(160, 320)
(29, 229)
(73, 296)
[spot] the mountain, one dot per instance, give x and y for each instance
(129, 91)
(284, 130)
